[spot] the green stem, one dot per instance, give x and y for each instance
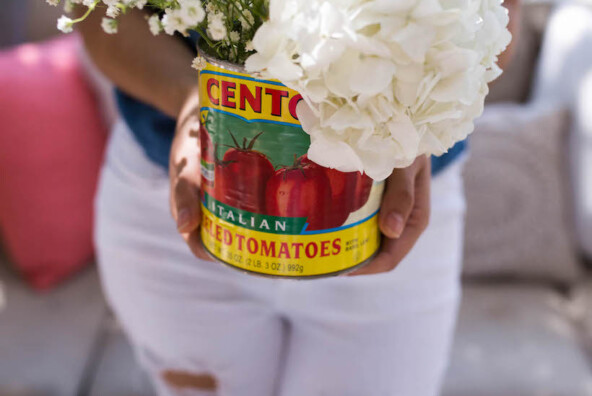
(204, 35)
(241, 13)
(87, 13)
(255, 11)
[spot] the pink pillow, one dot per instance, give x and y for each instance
(51, 146)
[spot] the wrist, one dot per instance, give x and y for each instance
(189, 104)
(189, 101)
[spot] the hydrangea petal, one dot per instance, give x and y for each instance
(372, 75)
(335, 154)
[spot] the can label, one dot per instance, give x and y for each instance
(267, 208)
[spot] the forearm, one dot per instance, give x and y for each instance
(156, 70)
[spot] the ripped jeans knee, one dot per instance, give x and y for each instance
(190, 381)
(179, 378)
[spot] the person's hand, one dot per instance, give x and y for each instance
(404, 215)
(185, 177)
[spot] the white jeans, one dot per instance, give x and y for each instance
(373, 335)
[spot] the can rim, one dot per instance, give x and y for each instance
(222, 63)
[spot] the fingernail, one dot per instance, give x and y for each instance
(395, 224)
(183, 219)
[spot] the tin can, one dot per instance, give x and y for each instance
(267, 209)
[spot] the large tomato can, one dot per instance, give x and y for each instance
(267, 209)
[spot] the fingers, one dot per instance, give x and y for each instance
(394, 250)
(383, 262)
(186, 208)
(185, 176)
(420, 216)
(194, 241)
(187, 213)
(186, 203)
(184, 179)
(397, 203)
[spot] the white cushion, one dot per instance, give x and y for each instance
(565, 76)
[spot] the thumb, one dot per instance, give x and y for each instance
(186, 205)
(397, 203)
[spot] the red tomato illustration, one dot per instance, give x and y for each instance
(302, 190)
(362, 191)
(241, 177)
(343, 187)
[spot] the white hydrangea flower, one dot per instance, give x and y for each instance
(109, 25)
(53, 2)
(65, 24)
(384, 81)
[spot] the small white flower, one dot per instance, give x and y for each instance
(109, 25)
(53, 2)
(234, 36)
(199, 63)
(112, 11)
(193, 12)
(210, 9)
(68, 6)
(247, 20)
(216, 27)
(249, 46)
(65, 24)
(188, 16)
(172, 22)
(154, 24)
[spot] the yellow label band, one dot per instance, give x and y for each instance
(289, 255)
(245, 97)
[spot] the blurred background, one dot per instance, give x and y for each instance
(525, 326)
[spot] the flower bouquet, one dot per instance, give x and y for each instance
(308, 105)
